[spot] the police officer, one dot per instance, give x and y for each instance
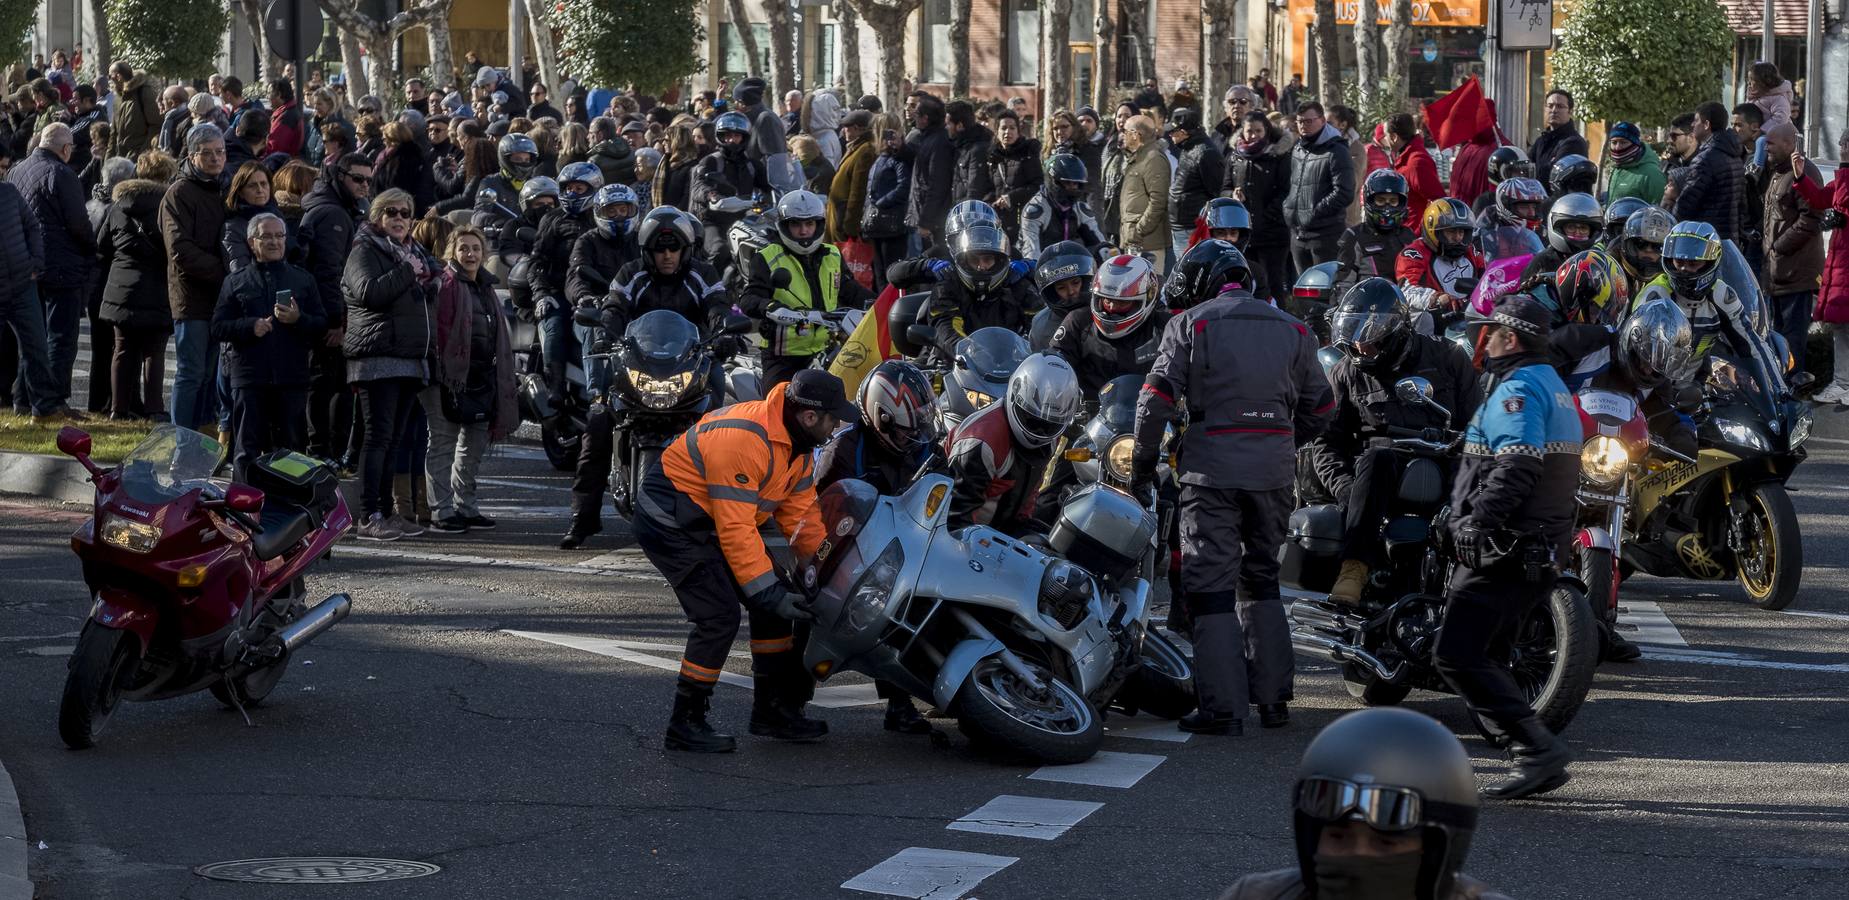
(1384, 807)
(1254, 391)
(1512, 512)
(1059, 211)
(1373, 329)
(697, 520)
(799, 271)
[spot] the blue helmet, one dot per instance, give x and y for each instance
(610, 199)
(575, 200)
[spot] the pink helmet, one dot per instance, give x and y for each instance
(1122, 295)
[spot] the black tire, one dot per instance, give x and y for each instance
(102, 664)
(1771, 558)
(561, 446)
(993, 706)
(1555, 654)
(1164, 685)
(1601, 578)
(1366, 687)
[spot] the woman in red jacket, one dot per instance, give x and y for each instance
(1833, 297)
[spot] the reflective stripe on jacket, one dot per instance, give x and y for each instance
(803, 340)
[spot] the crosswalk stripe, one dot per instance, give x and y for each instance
(1039, 818)
(920, 872)
(1107, 769)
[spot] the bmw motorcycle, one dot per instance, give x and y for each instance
(1025, 650)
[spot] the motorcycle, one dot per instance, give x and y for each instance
(1385, 644)
(978, 372)
(1024, 649)
(196, 582)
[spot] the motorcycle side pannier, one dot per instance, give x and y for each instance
(1310, 557)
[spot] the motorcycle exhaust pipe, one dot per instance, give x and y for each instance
(319, 617)
(1332, 649)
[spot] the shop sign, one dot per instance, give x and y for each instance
(1526, 24)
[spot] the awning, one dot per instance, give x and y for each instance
(1748, 16)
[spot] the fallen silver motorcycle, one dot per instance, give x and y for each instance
(1024, 649)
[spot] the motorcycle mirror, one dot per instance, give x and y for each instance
(73, 442)
(243, 498)
(737, 325)
(1464, 286)
(1414, 390)
(922, 335)
(486, 196)
(587, 317)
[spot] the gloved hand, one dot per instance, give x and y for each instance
(938, 267)
(1467, 543)
(1022, 268)
(1832, 220)
(794, 606)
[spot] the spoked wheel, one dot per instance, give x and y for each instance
(1164, 685)
(1554, 654)
(561, 445)
(1771, 554)
(101, 666)
(1053, 724)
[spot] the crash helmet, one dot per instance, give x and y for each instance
(1520, 200)
(1442, 217)
(1065, 179)
(1573, 174)
(1592, 289)
(1225, 214)
(897, 404)
(511, 145)
(732, 122)
(536, 187)
(801, 206)
(1398, 772)
(578, 182)
(980, 256)
(1698, 248)
(967, 215)
(666, 228)
(1043, 399)
(1384, 198)
(1371, 322)
(614, 208)
(1508, 162)
(1062, 262)
(1575, 209)
(1206, 269)
(1615, 215)
(1641, 246)
(1656, 344)
(1122, 295)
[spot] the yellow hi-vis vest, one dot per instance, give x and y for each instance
(803, 340)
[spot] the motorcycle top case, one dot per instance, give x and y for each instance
(1312, 546)
(295, 478)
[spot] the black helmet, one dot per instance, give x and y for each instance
(1223, 213)
(1206, 268)
(1064, 261)
(1385, 183)
(1574, 209)
(1396, 771)
(1656, 343)
(1615, 216)
(517, 143)
(1371, 322)
(1065, 179)
(1644, 233)
(730, 123)
(1502, 159)
(665, 228)
(1573, 173)
(1522, 312)
(970, 248)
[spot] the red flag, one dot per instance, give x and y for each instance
(1460, 115)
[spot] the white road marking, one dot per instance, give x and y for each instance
(920, 872)
(1741, 661)
(1653, 627)
(618, 559)
(842, 696)
(838, 696)
(523, 483)
(1107, 769)
(460, 559)
(1158, 730)
(1815, 615)
(40, 637)
(1039, 818)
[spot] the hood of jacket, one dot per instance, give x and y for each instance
(138, 195)
(1328, 137)
(617, 150)
(824, 111)
(1724, 141)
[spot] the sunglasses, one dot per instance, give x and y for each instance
(394, 212)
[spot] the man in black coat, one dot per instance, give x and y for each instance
(55, 198)
(1560, 137)
(971, 140)
(270, 313)
(1199, 169)
(933, 161)
(1710, 190)
(1322, 184)
(329, 215)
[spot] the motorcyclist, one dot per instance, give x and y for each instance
(1574, 222)
(1119, 333)
(725, 172)
(1384, 807)
(1059, 211)
(1593, 297)
(1692, 264)
(799, 271)
(919, 273)
(1640, 249)
(607, 247)
(1372, 247)
(1573, 174)
(1439, 266)
(1504, 163)
(538, 198)
(1519, 201)
(559, 231)
(894, 436)
(518, 159)
(1372, 326)
(1616, 214)
(998, 456)
(1511, 517)
(983, 291)
(1063, 274)
(1228, 220)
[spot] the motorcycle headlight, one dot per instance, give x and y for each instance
(1117, 457)
(136, 537)
(1742, 434)
(866, 606)
(977, 399)
(1800, 430)
(1604, 459)
(660, 393)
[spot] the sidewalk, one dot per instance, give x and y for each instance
(14, 884)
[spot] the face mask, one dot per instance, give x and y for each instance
(1368, 877)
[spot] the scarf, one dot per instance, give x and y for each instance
(430, 275)
(1255, 147)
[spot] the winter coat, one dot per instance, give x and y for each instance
(1199, 171)
(1360, 157)
(1793, 234)
(138, 118)
(1553, 143)
(616, 160)
(677, 184)
(971, 180)
(824, 122)
(1015, 173)
(889, 184)
(1711, 190)
(1642, 179)
(1111, 180)
(724, 176)
(389, 314)
(1322, 183)
(1144, 221)
(932, 160)
(1833, 294)
(22, 250)
(133, 258)
(595, 260)
(1091, 153)
(173, 132)
(286, 135)
(1470, 168)
(279, 358)
(405, 167)
(847, 193)
(1776, 105)
(818, 175)
(192, 219)
(559, 231)
(329, 217)
(470, 317)
(1415, 162)
(56, 198)
(313, 150)
(1265, 176)
(235, 235)
(1366, 407)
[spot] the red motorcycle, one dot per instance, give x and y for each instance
(197, 582)
(1617, 451)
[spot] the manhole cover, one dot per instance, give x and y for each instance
(315, 870)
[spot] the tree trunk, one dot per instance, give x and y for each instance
(353, 63)
(1056, 73)
(545, 48)
(1217, 30)
(959, 47)
(741, 26)
(442, 54)
(379, 60)
(782, 51)
(887, 19)
(1328, 59)
(1399, 50)
(1104, 80)
(103, 52)
(850, 51)
(1367, 57)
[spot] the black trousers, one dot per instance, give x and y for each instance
(1270, 273)
(138, 365)
(330, 405)
(886, 251)
(1310, 250)
(265, 419)
(385, 405)
(102, 344)
(596, 453)
(1370, 494)
(694, 565)
(1229, 570)
(1482, 612)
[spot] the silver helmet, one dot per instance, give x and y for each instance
(1043, 399)
(801, 206)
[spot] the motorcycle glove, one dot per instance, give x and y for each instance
(795, 607)
(939, 267)
(1468, 543)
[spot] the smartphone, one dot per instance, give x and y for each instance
(285, 299)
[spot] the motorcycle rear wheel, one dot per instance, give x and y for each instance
(1366, 687)
(561, 446)
(103, 662)
(1164, 685)
(1556, 652)
(1057, 727)
(1771, 562)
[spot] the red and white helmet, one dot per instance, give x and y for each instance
(1122, 295)
(897, 404)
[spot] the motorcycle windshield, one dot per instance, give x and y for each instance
(1739, 276)
(660, 337)
(1117, 404)
(170, 462)
(1498, 241)
(992, 354)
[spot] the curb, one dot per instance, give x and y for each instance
(14, 883)
(45, 475)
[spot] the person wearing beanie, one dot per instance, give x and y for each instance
(1632, 169)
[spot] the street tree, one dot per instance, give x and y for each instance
(102, 49)
(1136, 28)
(850, 56)
(782, 48)
(741, 26)
(1367, 51)
(1643, 61)
(379, 41)
(168, 38)
(1328, 59)
(1399, 51)
(17, 18)
(887, 19)
(958, 37)
(542, 17)
(1056, 71)
(1105, 82)
(1218, 26)
(651, 44)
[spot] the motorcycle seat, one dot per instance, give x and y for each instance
(283, 525)
(1423, 483)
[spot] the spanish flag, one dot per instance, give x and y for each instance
(868, 346)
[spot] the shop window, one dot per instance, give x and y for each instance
(732, 50)
(936, 50)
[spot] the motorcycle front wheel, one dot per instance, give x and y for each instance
(1771, 554)
(1555, 653)
(1164, 684)
(561, 446)
(1054, 725)
(101, 666)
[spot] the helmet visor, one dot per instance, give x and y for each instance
(1039, 427)
(1382, 807)
(1363, 333)
(1690, 246)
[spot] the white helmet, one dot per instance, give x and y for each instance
(1043, 399)
(799, 206)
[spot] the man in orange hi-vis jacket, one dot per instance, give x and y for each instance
(697, 519)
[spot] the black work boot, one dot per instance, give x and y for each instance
(1539, 762)
(586, 520)
(688, 729)
(903, 717)
(775, 714)
(1273, 715)
(1201, 721)
(1614, 647)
